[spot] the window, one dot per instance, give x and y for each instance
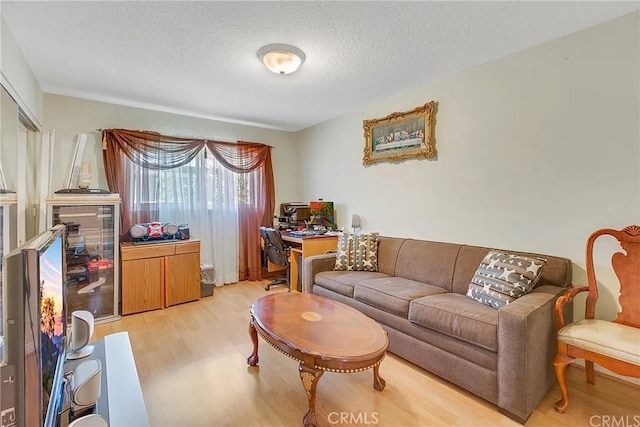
(204, 181)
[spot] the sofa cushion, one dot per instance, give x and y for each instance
(357, 252)
(457, 316)
(342, 282)
(428, 262)
(502, 278)
(388, 249)
(392, 294)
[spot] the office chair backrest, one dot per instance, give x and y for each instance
(263, 234)
(274, 246)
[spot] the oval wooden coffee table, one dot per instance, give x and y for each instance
(321, 334)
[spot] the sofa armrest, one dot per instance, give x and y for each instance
(526, 344)
(314, 265)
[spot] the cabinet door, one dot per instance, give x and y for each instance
(142, 281)
(183, 278)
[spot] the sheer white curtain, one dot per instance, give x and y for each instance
(204, 195)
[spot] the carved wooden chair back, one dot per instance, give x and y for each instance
(612, 344)
(627, 269)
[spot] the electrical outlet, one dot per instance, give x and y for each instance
(8, 417)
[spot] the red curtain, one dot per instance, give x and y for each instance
(123, 148)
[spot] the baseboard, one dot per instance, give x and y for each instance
(266, 274)
(635, 382)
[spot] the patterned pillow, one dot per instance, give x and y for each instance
(357, 252)
(502, 278)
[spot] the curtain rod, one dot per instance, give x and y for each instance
(181, 136)
(196, 137)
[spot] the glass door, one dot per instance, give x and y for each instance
(91, 258)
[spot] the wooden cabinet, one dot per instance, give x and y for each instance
(182, 281)
(142, 281)
(159, 275)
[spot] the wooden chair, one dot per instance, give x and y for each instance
(612, 344)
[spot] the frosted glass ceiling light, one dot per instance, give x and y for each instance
(281, 58)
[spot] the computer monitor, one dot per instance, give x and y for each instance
(293, 214)
(322, 214)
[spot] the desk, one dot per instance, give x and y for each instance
(306, 246)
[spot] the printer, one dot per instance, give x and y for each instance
(293, 214)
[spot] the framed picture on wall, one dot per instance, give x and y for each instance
(400, 136)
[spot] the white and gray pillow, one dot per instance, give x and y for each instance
(357, 252)
(502, 278)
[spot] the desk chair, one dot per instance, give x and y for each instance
(277, 253)
(612, 344)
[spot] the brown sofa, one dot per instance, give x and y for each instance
(418, 296)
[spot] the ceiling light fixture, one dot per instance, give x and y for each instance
(281, 58)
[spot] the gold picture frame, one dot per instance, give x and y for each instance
(400, 136)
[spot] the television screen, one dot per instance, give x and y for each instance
(52, 323)
(322, 214)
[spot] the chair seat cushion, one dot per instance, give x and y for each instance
(615, 340)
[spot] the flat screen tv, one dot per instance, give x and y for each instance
(35, 328)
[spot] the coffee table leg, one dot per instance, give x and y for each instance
(253, 359)
(378, 382)
(310, 378)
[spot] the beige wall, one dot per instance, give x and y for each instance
(20, 91)
(535, 151)
(72, 116)
(9, 139)
(17, 77)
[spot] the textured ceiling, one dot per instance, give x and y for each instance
(199, 58)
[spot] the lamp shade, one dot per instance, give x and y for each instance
(281, 58)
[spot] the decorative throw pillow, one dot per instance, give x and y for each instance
(502, 278)
(357, 252)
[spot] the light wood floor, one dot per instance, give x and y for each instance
(191, 360)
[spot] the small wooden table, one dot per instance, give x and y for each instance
(321, 334)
